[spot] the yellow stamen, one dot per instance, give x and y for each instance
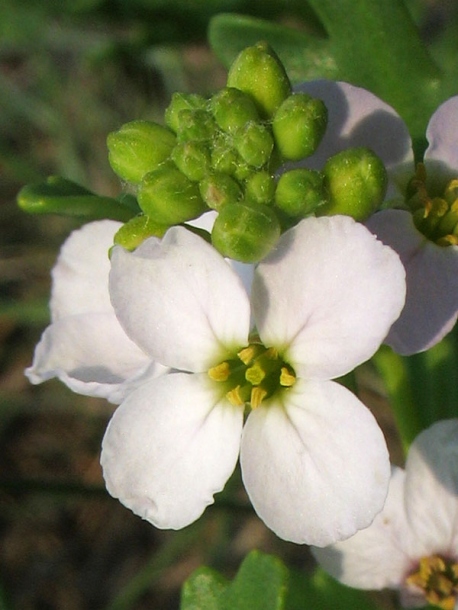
(248, 354)
(257, 396)
(220, 372)
(234, 397)
(438, 578)
(287, 379)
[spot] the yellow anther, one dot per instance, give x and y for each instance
(271, 353)
(234, 397)
(439, 207)
(248, 354)
(447, 240)
(438, 578)
(257, 396)
(287, 379)
(221, 372)
(451, 191)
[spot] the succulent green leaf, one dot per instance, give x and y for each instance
(57, 195)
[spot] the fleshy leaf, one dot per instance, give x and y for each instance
(322, 591)
(260, 584)
(202, 590)
(57, 195)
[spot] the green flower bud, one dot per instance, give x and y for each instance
(179, 102)
(138, 147)
(224, 158)
(245, 232)
(254, 144)
(169, 197)
(218, 190)
(299, 125)
(299, 192)
(260, 188)
(356, 182)
(136, 230)
(196, 125)
(258, 72)
(192, 159)
(232, 109)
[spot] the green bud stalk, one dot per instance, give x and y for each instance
(254, 144)
(355, 181)
(219, 190)
(258, 72)
(136, 230)
(179, 102)
(138, 147)
(245, 232)
(168, 197)
(300, 192)
(299, 126)
(232, 109)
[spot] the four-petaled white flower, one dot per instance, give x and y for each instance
(85, 346)
(425, 243)
(313, 459)
(412, 545)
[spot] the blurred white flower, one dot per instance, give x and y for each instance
(412, 545)
(85, 346)
(425, 243)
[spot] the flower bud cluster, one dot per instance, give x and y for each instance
(223, 154)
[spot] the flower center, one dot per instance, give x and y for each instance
(438, 578)
(256, 373)
(436, 217)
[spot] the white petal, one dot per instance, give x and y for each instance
(180, 300)
(80, 276)
(169, 447)
(90, 353)
(431, 489)
(431, 306)
(441, 156)
(357, 117)
(327, 296)
(373, 558)
(316, 468)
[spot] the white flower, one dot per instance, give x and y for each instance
(412, 545)
(85, 346)
(313, 459)
(359, 118)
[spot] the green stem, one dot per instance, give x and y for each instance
(395, 374)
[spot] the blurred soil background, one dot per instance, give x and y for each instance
(71, 72)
